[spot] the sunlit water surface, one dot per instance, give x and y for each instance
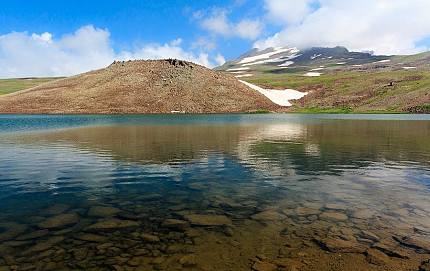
(214, 192)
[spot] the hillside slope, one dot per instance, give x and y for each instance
(151, 86)
(338, 80)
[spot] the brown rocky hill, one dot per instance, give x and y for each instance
(143, 86)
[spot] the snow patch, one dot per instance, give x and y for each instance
(317, 69)
(279, 97)
(341, 63)
(238, 69)
(383, 61)
(409, 68)
(315, 56)
(244, 75)
(286, 64)
(312, 74)
(266, 55)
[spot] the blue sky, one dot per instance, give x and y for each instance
(130, 22)
(46, 38)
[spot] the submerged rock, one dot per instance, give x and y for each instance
(264, 266)
(330, 215)
(341, 246)
(11, 230)
(269, 215)
(415, 242)
(208, 220)
(425, 266)
(103, 211)
(305, 211)
(376, 257)
(57, 209)
(175, 224)
(150, 238)
(113, 224)
(45, 245)
(89, 237)
(188, 260)
(33, 235)
(59, 221)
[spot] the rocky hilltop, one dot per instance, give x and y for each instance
(142, 86)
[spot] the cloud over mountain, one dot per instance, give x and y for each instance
(383, 26)
(25, 55)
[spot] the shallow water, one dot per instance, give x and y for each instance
(215, 192)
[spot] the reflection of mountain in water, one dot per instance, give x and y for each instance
(309, 147)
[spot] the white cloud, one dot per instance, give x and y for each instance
(219, 59)
(218, 23)
(383, 26)
(32, 55)
(287, 11)
(249, 29)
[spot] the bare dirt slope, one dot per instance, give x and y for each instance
(152, 86)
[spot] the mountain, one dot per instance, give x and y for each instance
(337, 80)
(151, 86)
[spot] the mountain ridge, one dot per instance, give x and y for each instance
(338, 80)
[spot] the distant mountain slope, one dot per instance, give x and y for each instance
(152, 86)
(16, 84)
(338, 80)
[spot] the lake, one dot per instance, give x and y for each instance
(215, 192)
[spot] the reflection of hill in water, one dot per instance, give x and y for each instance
(309, 146)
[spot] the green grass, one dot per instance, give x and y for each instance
(12, 85)
(355, 91)
(260, 111)
(318, 110)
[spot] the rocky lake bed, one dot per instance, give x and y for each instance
(257, 197)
